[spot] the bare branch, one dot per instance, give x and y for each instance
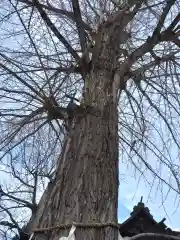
(81, 32)
(159, 26)
(62, 12)
(55, 31)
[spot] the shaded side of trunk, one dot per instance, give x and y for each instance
(86, 185)
(36, 216)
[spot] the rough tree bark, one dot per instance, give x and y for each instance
(85, 188)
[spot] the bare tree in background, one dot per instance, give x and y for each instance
(101, 79)
(26, 172)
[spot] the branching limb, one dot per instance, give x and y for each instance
(78, 18)
(50, 24)
(58, 11)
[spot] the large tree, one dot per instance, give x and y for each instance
(101, 79)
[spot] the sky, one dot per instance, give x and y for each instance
(130, 195)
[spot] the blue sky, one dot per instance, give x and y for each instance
(130, 195)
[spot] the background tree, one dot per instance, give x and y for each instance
(101, 79)
(24, 175)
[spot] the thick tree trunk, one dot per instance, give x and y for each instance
(85, 189)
